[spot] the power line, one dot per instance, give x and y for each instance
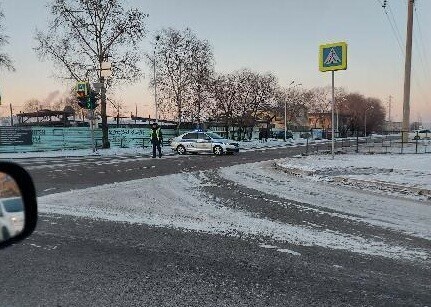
(392, 23)
(421, 44)
(396, 32)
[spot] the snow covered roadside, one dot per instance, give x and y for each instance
(407, 175)
(83, 153)
(253, 145)
(177, 201)
(244, 146)
(405, 215)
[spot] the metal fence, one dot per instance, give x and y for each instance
(32, 139)
(390, 144)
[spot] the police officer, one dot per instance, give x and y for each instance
(156, 138)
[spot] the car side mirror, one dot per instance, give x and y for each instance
(18, 205)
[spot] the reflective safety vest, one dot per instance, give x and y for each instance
(156, 135)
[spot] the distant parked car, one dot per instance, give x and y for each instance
(422, 134)
(11, 215)
(280, 135)
(203, 141)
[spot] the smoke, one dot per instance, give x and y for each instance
(51, 97)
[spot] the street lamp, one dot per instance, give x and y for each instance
(285, 109)
(365, 119)
(155, 79)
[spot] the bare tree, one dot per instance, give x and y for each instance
(255, 97)
(5, 60)
(293, 101)
(184, 66)
(34, 105)
(319, 103)
(202, 73)
(242, 97)
(68, 101)
(83, 34)
(223, 91)
(357, 107)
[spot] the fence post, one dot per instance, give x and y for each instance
(417, 145)
(357, 141)
(306, 148)
(402, 141)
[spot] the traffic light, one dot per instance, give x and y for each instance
(87, 98)
(82, 90)
(92, 101)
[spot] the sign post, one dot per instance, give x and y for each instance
(333, 57)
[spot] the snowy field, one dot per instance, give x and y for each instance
(178, 201)
(407, 175)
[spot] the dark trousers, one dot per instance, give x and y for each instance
(156, 145)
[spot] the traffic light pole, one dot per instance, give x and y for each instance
(105, 140)
(93, 145)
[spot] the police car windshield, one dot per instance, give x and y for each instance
(214, 135)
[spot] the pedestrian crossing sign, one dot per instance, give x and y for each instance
(333, 57)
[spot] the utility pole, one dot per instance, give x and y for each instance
(155, 80)
(407, 72)
(285, 111)
(389, 112)
(11, 115)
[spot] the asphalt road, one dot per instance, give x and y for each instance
(71, 261)
(58, 175)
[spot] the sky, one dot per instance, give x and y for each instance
(278, 36)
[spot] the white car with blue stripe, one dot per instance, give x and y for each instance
(199, 141)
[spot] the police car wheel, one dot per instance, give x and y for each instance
(181, 150)
(218, 150)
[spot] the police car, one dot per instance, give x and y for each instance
(199, 141)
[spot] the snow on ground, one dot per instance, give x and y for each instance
(177, 201)
(254, 144)
(83, 153)
(406, 215)
(408, 174)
